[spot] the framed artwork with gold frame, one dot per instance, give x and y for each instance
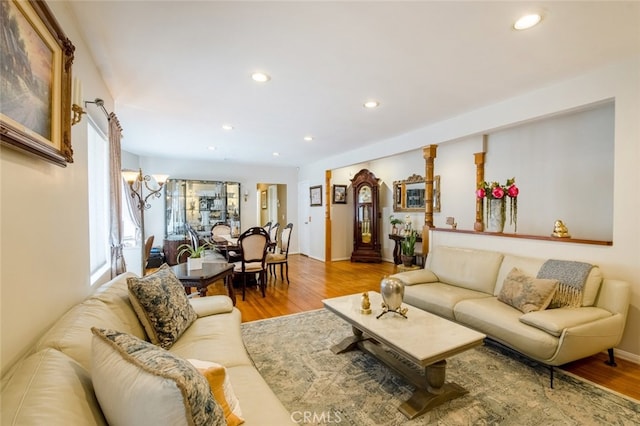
(35, 113)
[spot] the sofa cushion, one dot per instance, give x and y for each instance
(467, 268)
(211, 305)
(139, 383)
(555, 321)
(71, 334)
(162, 306)
(215, 338)
(265, 407)
(438, 298)
(419, 276)
(49, 388)
(527, 293)
(222, 389)
(528, 265)
(501, 322)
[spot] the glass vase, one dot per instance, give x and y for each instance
(496, 214)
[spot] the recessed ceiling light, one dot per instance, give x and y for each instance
(527, 21)
(211, 148)
(308, 138)
(260, 77)
(227, 127)
(371, 104)
(276, 154)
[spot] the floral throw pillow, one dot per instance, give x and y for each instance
(138, 383)
(527, 293)
(162, 306)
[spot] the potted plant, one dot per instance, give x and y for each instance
(195, 254)
(394, 222)
(408, 248)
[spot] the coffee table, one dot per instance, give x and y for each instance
(201, 278)
(424, 339)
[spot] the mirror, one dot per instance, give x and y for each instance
(409, 194)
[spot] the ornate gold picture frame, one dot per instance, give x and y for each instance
(35, 113)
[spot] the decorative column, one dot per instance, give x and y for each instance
(479, 160)
(429, 155)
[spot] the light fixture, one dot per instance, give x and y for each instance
(227, 127)
(138, 184)
(276, 154)
(211, 148)
(371, 104)
(76, 97)
(246, 195)
(527, 21)
(260, 77)
(308, 138)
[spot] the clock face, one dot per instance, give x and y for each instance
(364, 195)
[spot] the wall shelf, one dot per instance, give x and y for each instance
(526, 237)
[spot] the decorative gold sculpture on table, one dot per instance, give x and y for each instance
(560, 230)
(392, 292)
(365, 304)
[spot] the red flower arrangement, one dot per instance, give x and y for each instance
(495, 191)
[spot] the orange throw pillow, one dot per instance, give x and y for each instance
(216, 377)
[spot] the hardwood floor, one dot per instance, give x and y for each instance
(312, 281)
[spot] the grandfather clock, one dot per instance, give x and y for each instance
(366, 225)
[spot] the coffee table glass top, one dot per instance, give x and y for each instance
(422, 337)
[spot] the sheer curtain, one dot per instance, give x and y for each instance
(118, 264)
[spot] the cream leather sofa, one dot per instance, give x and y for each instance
(52, 384)
(463, 284)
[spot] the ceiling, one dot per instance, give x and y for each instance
(179, 70)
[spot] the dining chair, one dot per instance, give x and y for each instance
(147, 250)
(252, 245)
(281, 258)
(273, 237)
(218, 230)
(193, 236)
(267, 226)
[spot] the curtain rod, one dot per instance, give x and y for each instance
(100, 104)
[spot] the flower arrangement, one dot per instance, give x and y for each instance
(409, 243)
(495, 191)
(394, 220)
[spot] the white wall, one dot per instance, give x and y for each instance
(618, 82)
(44, 268)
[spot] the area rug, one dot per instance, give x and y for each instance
(292, 354)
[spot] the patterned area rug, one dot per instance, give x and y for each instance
(292, 354)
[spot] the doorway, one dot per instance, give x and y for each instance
(272, 199)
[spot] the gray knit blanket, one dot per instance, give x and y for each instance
(572, 277)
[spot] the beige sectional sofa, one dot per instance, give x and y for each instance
(464, 284)
(52, 385)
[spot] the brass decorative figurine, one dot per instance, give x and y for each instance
(560, 230)
(365, 304)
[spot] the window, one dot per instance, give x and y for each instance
(130, 231)
(98, 177)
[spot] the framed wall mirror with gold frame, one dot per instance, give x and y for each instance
(409, 194)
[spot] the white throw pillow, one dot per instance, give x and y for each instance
(138, 383)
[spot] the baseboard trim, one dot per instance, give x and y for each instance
(627, 356)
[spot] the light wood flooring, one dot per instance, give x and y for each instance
(312, 280)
